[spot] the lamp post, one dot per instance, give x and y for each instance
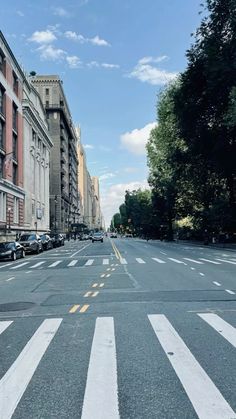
(9, 218)
(55, 201)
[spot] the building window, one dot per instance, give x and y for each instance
(14, 173)
(14, 146)
(2, 100)
(47, 103)
(1, 167)
(14, 117)
(16, 210)
(2, 63)
(15, 83)
(47, 91)
(3, 206)
(2, 132)
(33, 207)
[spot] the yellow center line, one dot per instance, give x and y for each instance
(74, 308)
(84, 308)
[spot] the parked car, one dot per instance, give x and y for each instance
(46, 241)
(57, 239)
(97, 237)
(32, 243)
(11, 250)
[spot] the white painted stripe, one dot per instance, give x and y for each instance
(80, 250)
(73, 262)
(3, 326)
(217, 283)
(10, 279)
(194, 261)
(158, 260)
(89, 262)
(37, 264)
(210, 261)
(105, 262)
(230, 292)
(101, 393)
(20, 265)
(107, 276)
(55, 264)
(7, 264)
(176, 261)
(221, 326)
(205, 397)
(123, 261)
(139, 260)
(226, 261)
(87, 294)
(15, 381)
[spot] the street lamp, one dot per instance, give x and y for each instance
(55, 201)
(9, 218)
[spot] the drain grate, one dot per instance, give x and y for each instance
(17, 306)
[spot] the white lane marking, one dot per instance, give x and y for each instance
(94, 285)
(101, 285)
(95, 294)
(113, 269)
(123, 261)
(107, 276)
(80, 250)
(55, 264)
(177, 261)
(101, 393)
(108, 269)
(210, 261)
(221, 326)
(226, 261)
(102, 276)
(89, 262)
(88, 294)
(20, 265)
(105, 262)
(15, 381)
(4, 325)
(193, 269)
(230, 292)
(205, 397)
(139, 260)
(217, 283)
(10, 279)
(163, 253)
(194, 261)
(73, 262)
(7, 264)
(28, 272)
(200, 273)
(37, 264)
(158, 260)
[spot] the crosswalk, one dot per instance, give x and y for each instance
(87, 262)
(103, 389)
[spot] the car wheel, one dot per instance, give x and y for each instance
(101, 241)
(13, 256)
(23, 254)
(38, 250)
(92, 241)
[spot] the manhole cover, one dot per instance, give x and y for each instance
(21, 305)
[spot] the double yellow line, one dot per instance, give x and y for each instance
(116, 251)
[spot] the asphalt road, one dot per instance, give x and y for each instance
(122, 329)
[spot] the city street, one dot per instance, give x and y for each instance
(120, 329)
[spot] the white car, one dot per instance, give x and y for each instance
(97, 237)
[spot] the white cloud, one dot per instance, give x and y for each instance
(106, 176)
(43, 37)
(145, 71)
(136, 140)
(20, 13)
(93, 64)
(110, 66)
(113, 196)
(59, 11)
(73, 61)
(49, 52)
(73, 36)
(88, 146)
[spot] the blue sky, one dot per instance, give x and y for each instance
(113, 57)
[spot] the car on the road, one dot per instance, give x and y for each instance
(97, 237)
(11, 250)
(57, 239)
(32, 243)
(113, 236)
(46, 241)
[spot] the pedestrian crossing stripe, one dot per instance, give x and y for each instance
(101, 397)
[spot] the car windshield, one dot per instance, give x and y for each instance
(97, 234)
(6, 246)
(27, 237)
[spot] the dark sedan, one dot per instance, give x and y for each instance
(32, 243)
(11, 250)
(57, 239)
(46, 241)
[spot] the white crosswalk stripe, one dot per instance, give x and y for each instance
(177, 261)
(123, 261)
(105, 262)
(73, 262)
(226, 261)
(210, 261)
(221, 326)
(20, 265)
(15, 381)
(139, 260)
(101, 393)
(4, 325)
(205, 397)
(37, 264)
(158, 260)
(55, 264)
(194, 261)
(89, 262)
(7, 264)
